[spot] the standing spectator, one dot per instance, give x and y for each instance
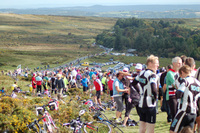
(74, 72)
(73, 82)
(110, 86)
(65, 83)
(99, 89)
(78, 79)
(134, 96)
(69, 77)
(146, 84)
(53, 84)
(59, 84)
(165, 106)
(84, 82)
(118, 90)
(189, 94)
(39, 83)
(126, 82)
(171, 87)
(33, 83)
(45, 82)
(103, 81)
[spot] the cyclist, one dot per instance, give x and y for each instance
(189, 93)
(146, 84)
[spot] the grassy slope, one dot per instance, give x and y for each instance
(31, 40)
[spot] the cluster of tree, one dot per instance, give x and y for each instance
(160, 37)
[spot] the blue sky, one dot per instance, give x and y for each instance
(70, 3)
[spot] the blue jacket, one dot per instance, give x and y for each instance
(121, 86)
(84, 82)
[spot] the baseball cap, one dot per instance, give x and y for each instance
(125, 69)
(138, 66)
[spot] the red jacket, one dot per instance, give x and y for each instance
(98, 85)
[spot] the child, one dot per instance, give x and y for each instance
(2, 90)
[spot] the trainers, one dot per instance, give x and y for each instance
(117, 121)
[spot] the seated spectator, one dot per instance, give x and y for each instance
(2, 90)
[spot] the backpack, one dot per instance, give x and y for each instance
(78, 77)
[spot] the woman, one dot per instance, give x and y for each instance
(118, 90)
(189, 93)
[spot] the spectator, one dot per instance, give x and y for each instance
(39, 83)
(34, 85)
(98, 86)
(84, 82)
(53, 84)
(2, 90)
(73, 82)
(78, 79)
(110, 86)
(118, 90)
(59, 84)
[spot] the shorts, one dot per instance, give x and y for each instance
(119, 103)
(98, 94)
(111, 93)
(182, 119)
(85, 88)
(148, 114)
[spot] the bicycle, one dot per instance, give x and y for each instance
(32, 126)
(77, 125)
(105, 119)
(48, 122)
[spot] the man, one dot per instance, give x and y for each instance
(103, 81)
(39, 83)
(84, 82)
(98, 86)
(59, 84)
(134, 96)
(53, 84)
(45, 82)
(171, 77)
(146, 84)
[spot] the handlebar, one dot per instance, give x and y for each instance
(32, 125)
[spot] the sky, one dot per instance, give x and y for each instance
(70, 3)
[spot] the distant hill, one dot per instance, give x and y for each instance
(138, 11)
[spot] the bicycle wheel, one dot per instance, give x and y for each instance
(115, 128)
(97, 126)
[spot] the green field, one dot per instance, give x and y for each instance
(32, 40)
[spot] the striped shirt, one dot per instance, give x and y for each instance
(189, 93)
(147, 87)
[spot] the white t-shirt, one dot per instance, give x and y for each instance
(116, 83)
(74, 73)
